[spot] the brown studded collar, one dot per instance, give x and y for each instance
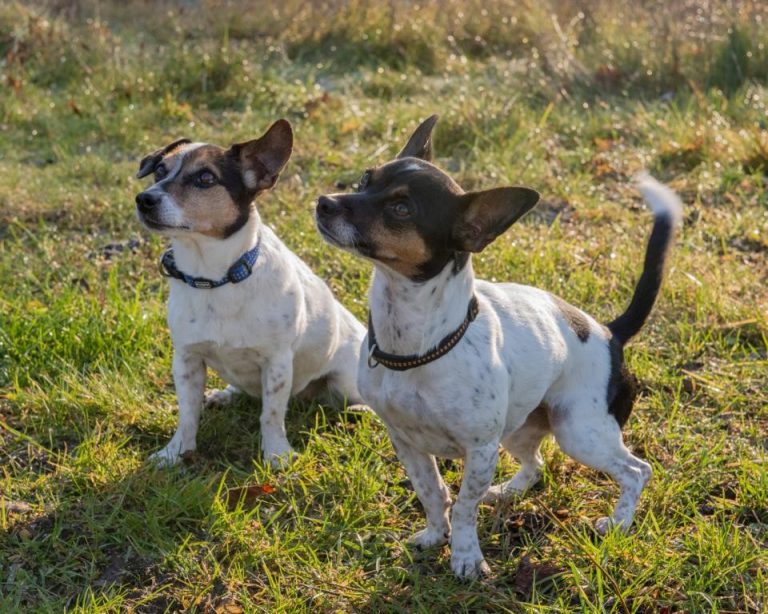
(397, 362)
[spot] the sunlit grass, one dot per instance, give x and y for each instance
(570, 98)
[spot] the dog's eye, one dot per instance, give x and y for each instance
(400, 209)
(160, 172)
(205, 179)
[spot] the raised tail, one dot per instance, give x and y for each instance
(667, 216)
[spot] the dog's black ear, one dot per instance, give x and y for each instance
(420, 143)
(148, 163)
(262, 159)
(485, 215)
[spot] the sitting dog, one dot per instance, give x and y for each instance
(240, 301)
(457, 366)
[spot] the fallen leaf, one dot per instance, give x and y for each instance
(529, 574)
(248, 494)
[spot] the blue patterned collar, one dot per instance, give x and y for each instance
(238, 272)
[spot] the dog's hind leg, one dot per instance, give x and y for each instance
(432, 492)
(343, 375)
(344, 384)
(524, 444)
(589, 434)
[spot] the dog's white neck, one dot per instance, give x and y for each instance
(202, 256)
(411, 317)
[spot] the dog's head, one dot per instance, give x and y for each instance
(412, 217)
(205, 189)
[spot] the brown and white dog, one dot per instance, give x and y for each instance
(459, 366)
(240, 301)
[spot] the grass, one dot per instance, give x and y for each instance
(570, 98)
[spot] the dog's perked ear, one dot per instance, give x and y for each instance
(150, 162)
(485, 215)
(420, 143)
(262, 159)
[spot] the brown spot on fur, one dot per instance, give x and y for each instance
(539, 417)
(576, 320)
(402, 250)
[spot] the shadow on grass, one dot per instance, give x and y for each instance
(117, 535)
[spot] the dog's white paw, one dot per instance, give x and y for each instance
(502, 492)
(468, 565)
(430, 538)
(517, 485)
(278, 454)
(606, 524)
(603, 525)
(218, 398)
(170, 455)
(495, 493)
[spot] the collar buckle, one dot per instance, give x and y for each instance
(372, 362)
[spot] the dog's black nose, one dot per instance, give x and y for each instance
(147, 201)
(328, 207)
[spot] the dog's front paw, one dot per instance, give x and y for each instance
(469, 565)
(278, 454)
(218, 398)
(430, 538)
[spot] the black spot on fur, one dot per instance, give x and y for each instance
(622, 385)
(576, 320)
(460, 260)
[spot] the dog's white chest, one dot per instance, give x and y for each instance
(414, 414)
(238, 366)
(226, 334)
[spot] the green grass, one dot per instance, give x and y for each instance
(570, 98)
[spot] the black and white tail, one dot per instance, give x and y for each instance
(667, 216)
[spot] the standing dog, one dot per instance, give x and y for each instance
(457, 366)
(240, 301)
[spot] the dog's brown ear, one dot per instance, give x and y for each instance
(150, 162)
(420, 143)
(485, 215)
(262, 159)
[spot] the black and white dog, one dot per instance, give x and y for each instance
(456, 366)
(240, 301)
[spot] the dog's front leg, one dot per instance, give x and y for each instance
(431, 491)
(276, 383)
(189, 379)
(466, 557)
